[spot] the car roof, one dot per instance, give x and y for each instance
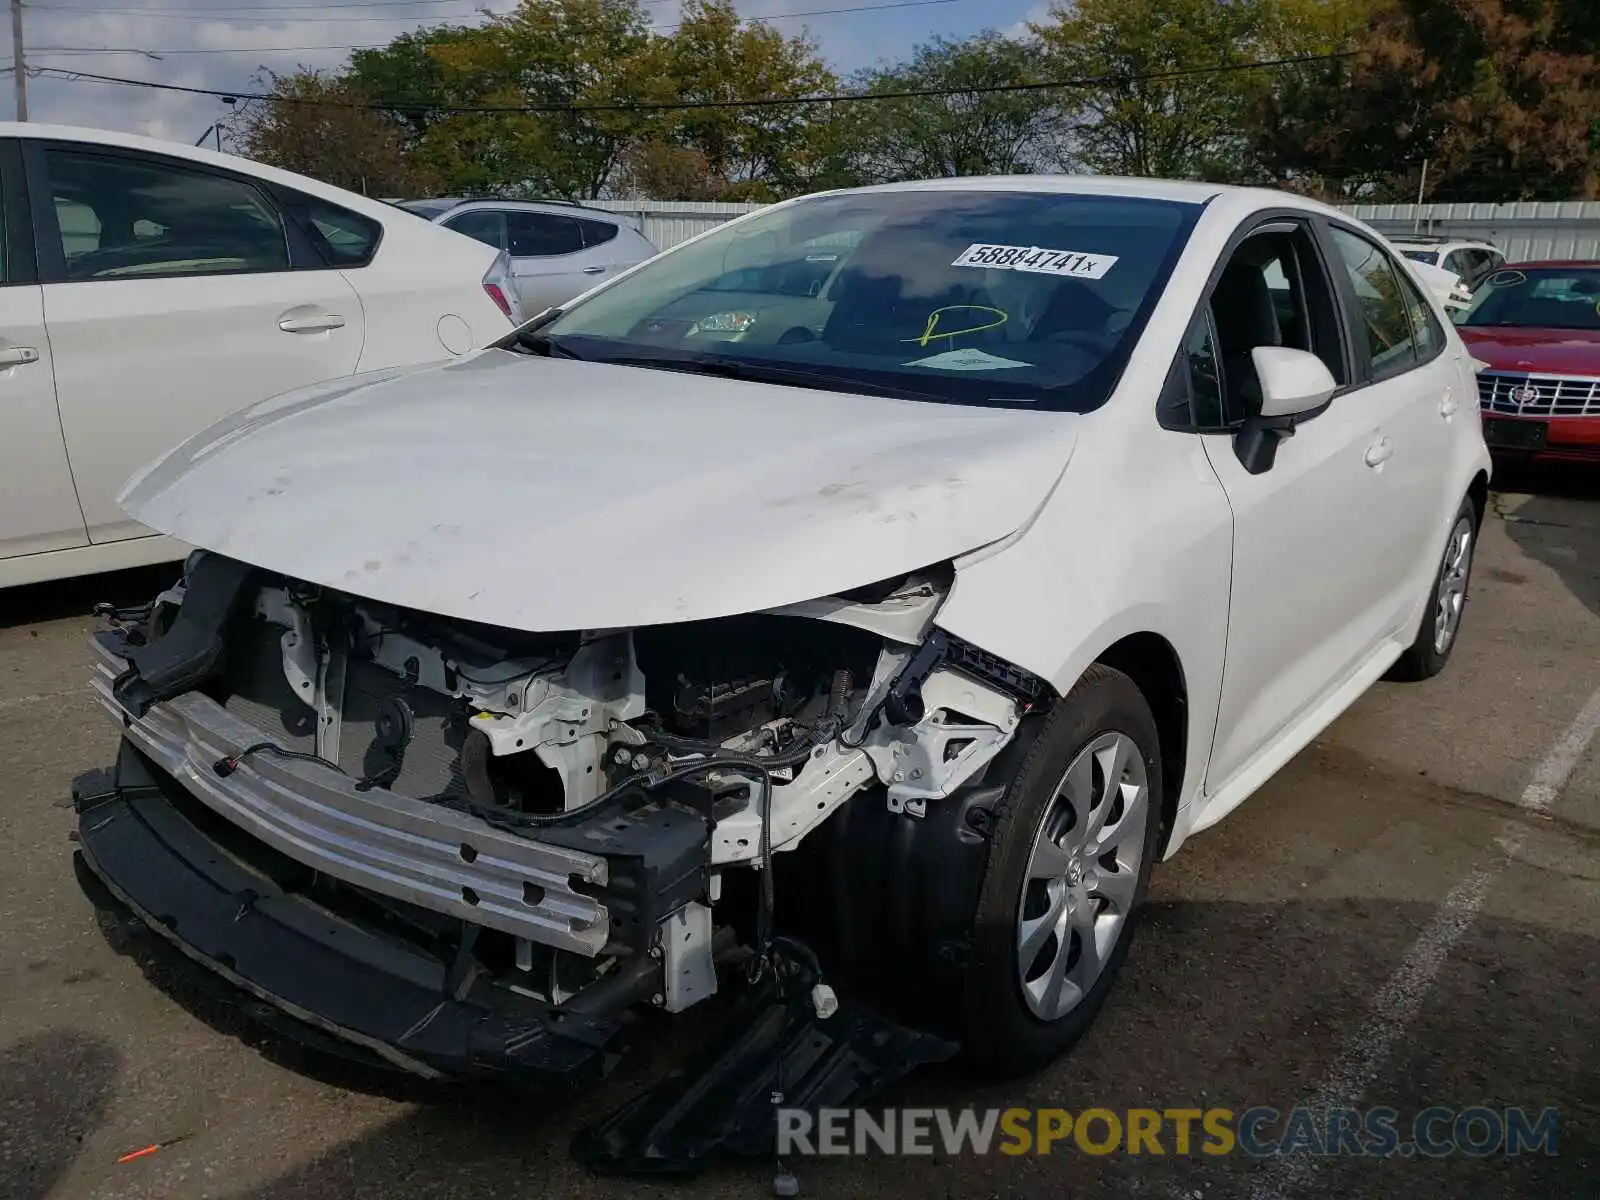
(1129, 187)
(367, 205)
(1088, 185)
(457, 203)
(1558, 263)
(1444, 244)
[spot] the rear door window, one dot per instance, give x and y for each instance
(486, 225)
(122, 216)
(543, 235)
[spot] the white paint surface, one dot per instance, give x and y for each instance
(128, 367)
(551, 494)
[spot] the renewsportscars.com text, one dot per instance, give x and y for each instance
(1259, 1132)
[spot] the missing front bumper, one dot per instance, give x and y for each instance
(427, 1010)
(598, 882)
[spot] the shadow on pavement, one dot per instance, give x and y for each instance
(77, 597)
(1223, 1004)
(54, 1089)
(1560, 525)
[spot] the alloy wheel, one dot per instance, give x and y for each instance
(1453, 585)
(1083, 873)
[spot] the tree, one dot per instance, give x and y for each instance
(659, 170)
(324, 127)
(406, 74)
(1155, 115)
(968, 131)
(580, 61)
(760, 152)
(1501, 98)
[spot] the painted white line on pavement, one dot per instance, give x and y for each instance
(1363, 1055)
(1562, 759)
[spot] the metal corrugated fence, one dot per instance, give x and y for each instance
(1523, 230)
(668, 222)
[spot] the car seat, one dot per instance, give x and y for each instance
(885, 297)
(1245, 318)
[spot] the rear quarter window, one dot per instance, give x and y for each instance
(597, 233)
(343, 238)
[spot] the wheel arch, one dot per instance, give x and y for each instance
(1152, 662)
(1478, 493)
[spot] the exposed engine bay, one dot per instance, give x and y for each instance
(587, 821)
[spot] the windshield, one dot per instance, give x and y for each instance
(1538, 298)
(1430, 257)
(965, 297)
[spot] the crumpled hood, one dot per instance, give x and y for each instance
(548, 494)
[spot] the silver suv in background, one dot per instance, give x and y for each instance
(558, 248)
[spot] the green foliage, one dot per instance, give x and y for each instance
(752, 153)
(1501, 97)
(321, 126)
(970, 131)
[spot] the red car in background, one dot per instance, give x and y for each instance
(1536, 326)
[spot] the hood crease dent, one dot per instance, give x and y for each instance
(546, 494)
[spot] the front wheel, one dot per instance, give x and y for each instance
(1447, 603)
(1074, 840)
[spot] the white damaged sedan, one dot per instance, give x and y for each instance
(846, 608)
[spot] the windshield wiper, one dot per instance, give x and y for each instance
(759, 372)
(531, 337)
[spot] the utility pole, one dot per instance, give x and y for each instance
(18, 63)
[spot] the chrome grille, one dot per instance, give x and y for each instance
(1523, 395)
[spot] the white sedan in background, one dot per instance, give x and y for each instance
(948, 553)
(152, 288)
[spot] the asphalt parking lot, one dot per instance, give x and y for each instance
(1409, 915)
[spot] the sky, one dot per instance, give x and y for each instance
(226, 43)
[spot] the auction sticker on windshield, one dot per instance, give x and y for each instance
(1036, 260)
(966, 360)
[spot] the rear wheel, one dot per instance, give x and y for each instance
(1073, 844)
(1447, 603)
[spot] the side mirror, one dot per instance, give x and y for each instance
(1295, 385)
(1292, 381)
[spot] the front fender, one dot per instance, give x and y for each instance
(1090, 571)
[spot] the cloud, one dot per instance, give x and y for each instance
(227, 44)
(1039, 14)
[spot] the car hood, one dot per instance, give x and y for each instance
(547, 494)
(1542, 351)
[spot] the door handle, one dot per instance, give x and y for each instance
(1447, 403)
(316, 323)
(18, 356)
(593, 270)
(1379, 452)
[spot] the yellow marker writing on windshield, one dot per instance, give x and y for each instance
(933, 331)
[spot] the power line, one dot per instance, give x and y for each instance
(685, 105)
(822, 12)
(95, 9)
(266, 19)
(162, 53)
(204, 49)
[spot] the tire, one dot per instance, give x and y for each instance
(1447, 602)
(1014, 1019)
